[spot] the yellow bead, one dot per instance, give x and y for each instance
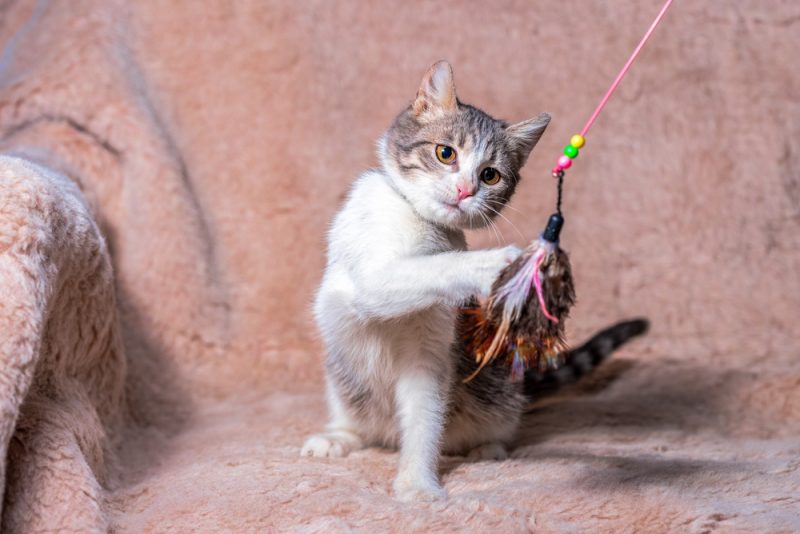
(577, 141)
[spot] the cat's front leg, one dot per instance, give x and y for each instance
(420, 400)
(407, 285)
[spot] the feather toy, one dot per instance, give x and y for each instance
(523, 319)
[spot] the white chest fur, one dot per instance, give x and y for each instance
(374, 307)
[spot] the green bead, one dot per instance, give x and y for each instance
(571, 151)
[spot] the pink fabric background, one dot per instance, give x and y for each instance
(214, 142)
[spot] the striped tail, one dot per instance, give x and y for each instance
(582, 360)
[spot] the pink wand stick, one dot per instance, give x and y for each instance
(577, 141)
(625, 69)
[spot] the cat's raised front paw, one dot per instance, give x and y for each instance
(496, 260)
(511, 253)
(331, 445)
(417, 489)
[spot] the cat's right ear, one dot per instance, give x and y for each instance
(524, 135)
(437, 92)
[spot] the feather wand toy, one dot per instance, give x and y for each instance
(523, 319)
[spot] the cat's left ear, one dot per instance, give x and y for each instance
(437, 92)
(524, 135)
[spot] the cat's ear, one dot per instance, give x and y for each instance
(437, 92)
(524, 135)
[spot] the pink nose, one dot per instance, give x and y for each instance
(464, 191)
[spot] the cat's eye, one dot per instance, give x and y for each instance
(446, 154)
(490, 176)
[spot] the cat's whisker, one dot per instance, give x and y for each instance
(500, 205)
(508, 221)
(504, 205)
(497, 237)
(497, 230)
(490, 225)
(483, 218)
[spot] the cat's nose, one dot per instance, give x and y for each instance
(464, 191)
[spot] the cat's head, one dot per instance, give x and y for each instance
(456, 165)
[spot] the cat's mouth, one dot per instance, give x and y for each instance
(458, 207)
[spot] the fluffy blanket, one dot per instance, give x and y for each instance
(167, 175)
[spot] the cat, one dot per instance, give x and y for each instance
(397, 271)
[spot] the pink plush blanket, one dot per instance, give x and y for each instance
(167, 175)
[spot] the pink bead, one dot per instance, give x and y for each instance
(564, 162)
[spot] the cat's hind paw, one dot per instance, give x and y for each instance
(488, 451)
(331, 445)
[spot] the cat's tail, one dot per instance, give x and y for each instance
(582, 360)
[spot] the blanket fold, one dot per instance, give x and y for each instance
(63, 370)
(167, 175)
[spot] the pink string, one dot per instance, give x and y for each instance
(537, 282)
(624, 70)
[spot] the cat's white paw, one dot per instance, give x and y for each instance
(331, 445)
(511, 253)
(410, 488)
(488, 451)
(496, 260)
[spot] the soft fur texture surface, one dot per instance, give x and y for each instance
(200, 152)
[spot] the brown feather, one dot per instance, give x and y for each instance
(533, 336)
